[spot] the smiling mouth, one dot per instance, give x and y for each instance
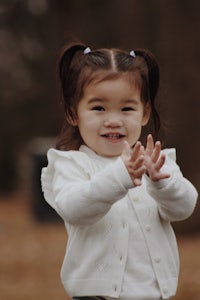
(113, 136)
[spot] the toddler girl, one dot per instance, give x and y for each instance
(116, 197)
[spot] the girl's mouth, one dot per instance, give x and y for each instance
(113, 136)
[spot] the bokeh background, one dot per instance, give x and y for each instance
(32, 32)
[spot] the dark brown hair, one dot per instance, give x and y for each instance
(76, 70)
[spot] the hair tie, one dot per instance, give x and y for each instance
(87, 50)
(132, 53)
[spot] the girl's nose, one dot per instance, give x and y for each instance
(113, 122)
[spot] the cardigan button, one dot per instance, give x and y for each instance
(148, 227)
(165, 290)
(124, 225)
(157, 259)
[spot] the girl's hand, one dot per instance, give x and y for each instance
(154, 160)
(134, 162)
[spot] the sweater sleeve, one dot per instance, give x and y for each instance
(80, 196)
(176, 196)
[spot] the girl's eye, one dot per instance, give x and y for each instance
(98, 108)
(127, 108)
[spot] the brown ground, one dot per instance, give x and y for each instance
(31, 255)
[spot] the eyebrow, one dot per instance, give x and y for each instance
(130, 101)
(93, 100)
(126, 101)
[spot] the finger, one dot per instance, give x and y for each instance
(164, 176)
(150, 145)
(136, 151)
(161, 176)
(160, 162)
(139, 162)
(142, 150)
(137, 181)
(156, 152)
(137, 172)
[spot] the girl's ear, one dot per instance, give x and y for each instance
(146, 114)
(71, 117)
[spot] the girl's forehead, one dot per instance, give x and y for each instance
(98, 77)
(118, 87)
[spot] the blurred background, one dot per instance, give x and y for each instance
(32, 32)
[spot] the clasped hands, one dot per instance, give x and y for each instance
(142, 160)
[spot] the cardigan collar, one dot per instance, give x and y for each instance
(92, 154)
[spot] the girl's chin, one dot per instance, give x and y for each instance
(109, 150)
(109, 154)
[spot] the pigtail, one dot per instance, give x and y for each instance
(153, 69)
(154, 79)
(64, 65)
(69, 135)
(66, 57)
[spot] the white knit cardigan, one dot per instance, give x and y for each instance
(93, 196)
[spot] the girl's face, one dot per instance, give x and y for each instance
(109, 113)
